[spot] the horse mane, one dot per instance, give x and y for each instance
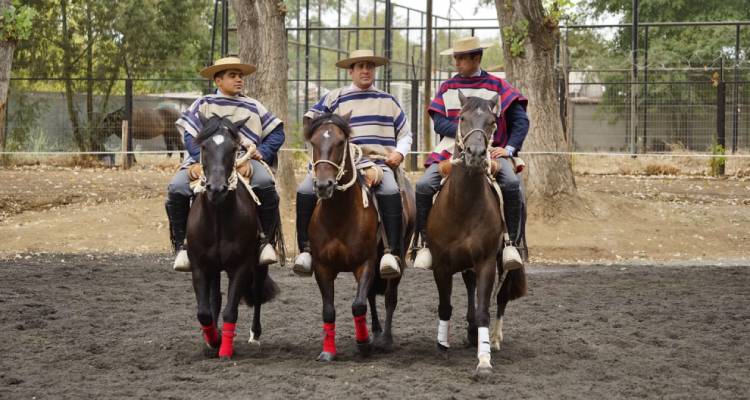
(335, 119)
(212, 125)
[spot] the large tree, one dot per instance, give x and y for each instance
(529, 34)
(15, 24)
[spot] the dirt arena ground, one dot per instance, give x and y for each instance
(645, 295)
(124, 327)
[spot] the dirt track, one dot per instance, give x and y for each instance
(124, 327)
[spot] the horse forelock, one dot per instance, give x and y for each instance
(213, 126)
(328, 118)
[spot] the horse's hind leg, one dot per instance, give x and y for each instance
(375, 324)
(202, 287)
(325, 281)
(391, 300)
(364, 276)
(237, 278)
(444, 283)
(470, 280)
(215, 296)
(259, 281)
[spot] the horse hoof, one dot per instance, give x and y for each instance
(383, 344)
(443, 351)
(365, 348)
(325, 357)
(225, 358)
(482, 373)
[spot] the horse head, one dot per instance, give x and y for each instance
(478, 119)
(329, 136)
(219, 141)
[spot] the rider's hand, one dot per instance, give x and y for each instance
(498, 152)
(256, 155)
(394, 159)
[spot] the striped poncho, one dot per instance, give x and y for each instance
(378, 123)
(257, 130)
(484, 85)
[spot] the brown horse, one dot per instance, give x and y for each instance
(222, 235)
(343, 235)
(463, 237)
(147, 123)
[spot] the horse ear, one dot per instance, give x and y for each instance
(347, 117)
(495, 102)
(240, 124)
(461, 97)
(202, 118)
(306, 124)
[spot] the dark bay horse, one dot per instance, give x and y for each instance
(343, 235)
(222, 235)
(466, 228)
(148, 123)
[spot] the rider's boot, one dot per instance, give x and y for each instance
(511, 257)
(268, 214)
(390, 213)
(305, 207)
(178, 208)
(423, 260)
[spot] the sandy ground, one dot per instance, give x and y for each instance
(124, 327)
(627, 217)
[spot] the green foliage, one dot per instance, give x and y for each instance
(717, 164)
(16, 22)
(516, 35)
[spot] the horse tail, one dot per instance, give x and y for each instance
(268, 291)
(517, 282)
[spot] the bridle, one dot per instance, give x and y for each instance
(341, 169)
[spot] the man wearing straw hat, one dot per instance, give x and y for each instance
(263, 134)
(379, 127)
(512, 127)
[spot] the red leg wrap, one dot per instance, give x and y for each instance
(227, 340)
(329, 338)
(360, 328)
(210, 334)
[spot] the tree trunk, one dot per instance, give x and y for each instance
(262, 39)
(6, 63)
(67, 75)
(550, 181)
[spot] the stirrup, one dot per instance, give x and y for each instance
(303, 264)
(423, 259)
(389, 266)
(268, 255)
(511, 258)
(182, 262)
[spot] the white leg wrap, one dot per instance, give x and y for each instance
(496, 336)
(252, 339)
(443, 331)
(483, 347)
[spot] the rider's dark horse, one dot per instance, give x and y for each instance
(222, 233)
(343, 234)
(463, 237)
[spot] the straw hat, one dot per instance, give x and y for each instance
(359, 56)
(226, 63)
(465, 46)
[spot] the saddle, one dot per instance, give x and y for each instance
(445, 167)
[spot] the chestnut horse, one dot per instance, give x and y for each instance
(343, 235)
(222, 235)
(463, 237)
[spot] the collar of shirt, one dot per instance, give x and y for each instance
(354, 88)
(222, 94)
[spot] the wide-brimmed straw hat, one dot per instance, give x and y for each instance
(359, 56)
(226, 63)
(465, 46)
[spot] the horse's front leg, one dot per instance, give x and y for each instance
(444, 281)
(325, 280)
(202, 285)
(364, 275)
(391, 300)
(470, 280)
(485, 282)
(237, 280)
